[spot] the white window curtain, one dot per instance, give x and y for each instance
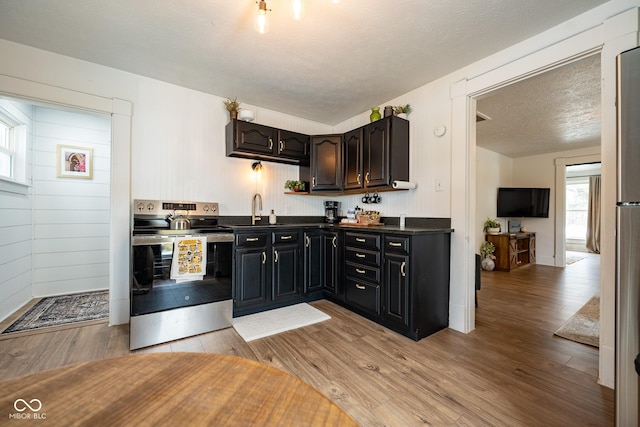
(593, 215)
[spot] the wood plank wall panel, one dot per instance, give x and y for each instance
(71, 216)
(16, 229)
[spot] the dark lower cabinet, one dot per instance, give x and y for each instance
(321, 261)
(286, 267)
(363, 295)
(396, 307)
(267, 271)
(250, 277)
(398, 280)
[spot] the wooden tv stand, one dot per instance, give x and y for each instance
(513, 250)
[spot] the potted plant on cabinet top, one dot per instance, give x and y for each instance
(294, 185)
(402, 110)
(233, 106)
(486, 251)
(491, 226)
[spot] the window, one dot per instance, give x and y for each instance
(7, 151)
(577, 206)
(13, 145)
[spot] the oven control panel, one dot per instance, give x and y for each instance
(162, 208)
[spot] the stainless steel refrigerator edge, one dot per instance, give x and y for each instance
(628, 238)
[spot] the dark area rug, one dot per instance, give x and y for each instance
(63, 310)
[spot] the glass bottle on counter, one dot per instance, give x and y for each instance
(272, 218)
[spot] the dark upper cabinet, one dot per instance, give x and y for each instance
(293, 145)
(326, 163)
(353, 159)
(255, 141)
(377, 154)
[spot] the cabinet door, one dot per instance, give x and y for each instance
(513, 253)
(396, 284)
(254, 138)
(285, 278)
(353, 160)
(251, 277)
(293, 145)
(326, 162)
(532, 248)
(376, 154)
(331, 266)
(313, 261)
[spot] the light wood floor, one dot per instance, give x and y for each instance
(510, 371)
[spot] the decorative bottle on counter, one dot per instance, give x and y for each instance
(272, 217)
(375, 114)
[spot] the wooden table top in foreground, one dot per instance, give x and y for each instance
(167, 389)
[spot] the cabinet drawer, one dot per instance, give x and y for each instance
(362, 240)
(290, 236)
(363, 295)
(360, 272)
(398, 244)
(361, 256)
(251, 239)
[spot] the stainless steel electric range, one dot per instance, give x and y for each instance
(181, 271)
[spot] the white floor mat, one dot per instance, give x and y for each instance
(260, 325)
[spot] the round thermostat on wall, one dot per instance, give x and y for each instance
(440, 130)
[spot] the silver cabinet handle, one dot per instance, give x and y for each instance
(313, 181)
(307, 241)
(361, 287)
(286, 237)
(252, 239)
(402, 269)
(281, 146)
(361, 271)
(396, 244)
(275, 256)
(270, 144)
(333, 241)
(264, 257)
(366, 178)
(358, 180)
(360, 255)
(358, 239)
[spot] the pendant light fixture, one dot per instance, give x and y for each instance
(262, 20)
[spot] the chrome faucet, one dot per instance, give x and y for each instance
(256, 197)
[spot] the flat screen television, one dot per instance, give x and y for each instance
(523, 202)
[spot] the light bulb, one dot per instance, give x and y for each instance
(297, 7)
(262, 21)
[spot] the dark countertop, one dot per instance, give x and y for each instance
(355, 228)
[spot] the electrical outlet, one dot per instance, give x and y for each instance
(439, 185)
(287, 210)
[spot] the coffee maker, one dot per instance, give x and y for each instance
(331, 208)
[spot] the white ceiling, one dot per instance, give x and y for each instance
(337, 62)
(555, 111)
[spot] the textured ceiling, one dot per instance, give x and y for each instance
(337, 62)
(554, 111)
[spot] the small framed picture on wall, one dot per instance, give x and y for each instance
(74, 162)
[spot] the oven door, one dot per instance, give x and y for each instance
(153, 290)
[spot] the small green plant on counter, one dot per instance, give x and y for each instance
(491, 223)
(294, 185)
(487, 249)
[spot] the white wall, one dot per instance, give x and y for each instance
(493, 170)
(540, 171)
(71, 216)
(16, 229)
